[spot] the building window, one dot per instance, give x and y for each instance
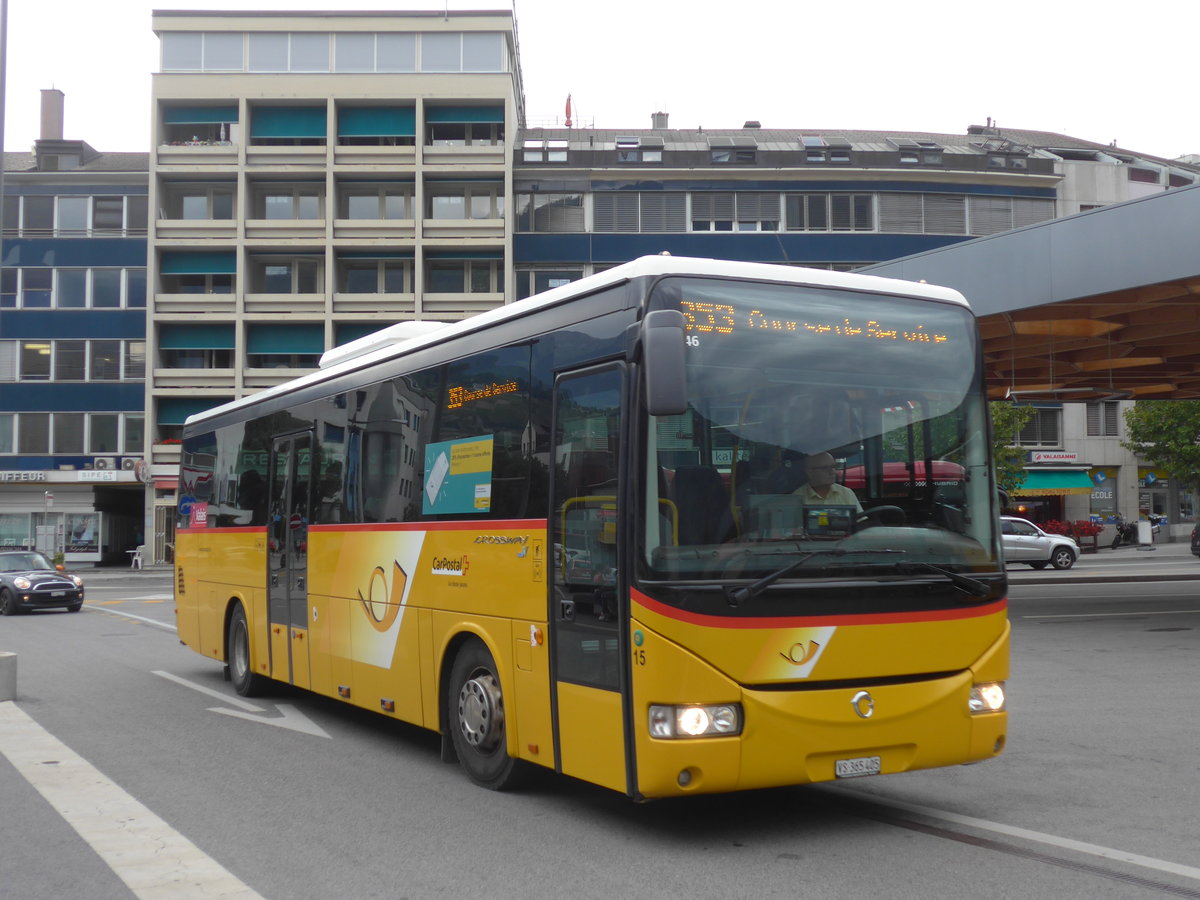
(535, 281)
(561, 213)
(464, 134)
(74, 360)
(536, 151)
(355, 52)
(71, 215)
(818, 151)
(33, 433)
(914, 152)
(376, 276)
(284, 346)
(198, 202)
(1043, 429)
(377, 126)
(104, 360)
(287, 276)
(830, 212)
(376, 201)
(735, 211)
(35, 360)
(288, 201)
(70, 360)
(1103, 418)
(288, 126)
(733, 151)
(464, 276)
(101, 216)
(464, 201)
(646, 211)
(198, 284)
(461, 52)
(68, 432)
(196, 359)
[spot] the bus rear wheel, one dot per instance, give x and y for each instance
(237, 652)
(475, 718)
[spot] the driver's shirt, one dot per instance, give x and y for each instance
(839, 495)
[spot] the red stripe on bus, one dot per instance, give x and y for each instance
(931, 615)
(472, 525)
(235, 529)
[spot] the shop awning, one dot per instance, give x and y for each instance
(1054, 484)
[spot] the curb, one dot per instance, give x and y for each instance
(1100, 579)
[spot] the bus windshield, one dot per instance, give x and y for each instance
(831, 433)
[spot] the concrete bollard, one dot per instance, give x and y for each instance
(8, 676)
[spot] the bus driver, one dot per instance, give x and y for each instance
(821, 488)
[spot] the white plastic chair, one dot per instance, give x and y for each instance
(137, 557)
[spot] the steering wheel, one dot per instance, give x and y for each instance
(881, 515)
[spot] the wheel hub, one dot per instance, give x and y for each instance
(481, 711)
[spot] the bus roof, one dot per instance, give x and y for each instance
(404, 337)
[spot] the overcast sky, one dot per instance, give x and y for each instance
(1090, 70)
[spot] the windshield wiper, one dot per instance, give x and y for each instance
(972, 586)
(737, 596)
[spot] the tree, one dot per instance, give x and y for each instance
(1007, 421)
(1166, 433)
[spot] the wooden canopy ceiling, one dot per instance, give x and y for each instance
(1141, 343)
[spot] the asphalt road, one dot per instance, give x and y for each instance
(1096, 795)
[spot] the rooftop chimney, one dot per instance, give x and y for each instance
(752, 123)
(658, 120)
(52, 115)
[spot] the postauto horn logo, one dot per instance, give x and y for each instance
(446, 565)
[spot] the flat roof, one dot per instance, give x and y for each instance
(1099, 304)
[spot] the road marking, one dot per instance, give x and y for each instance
(223, 697)
(1148, 612)
(289, 717)
(154, 860)
(126, 615)
(1107, 853)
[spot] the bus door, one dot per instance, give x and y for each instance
(287, 557)
(588, 587)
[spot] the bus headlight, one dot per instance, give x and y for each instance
(987, 698)
(694, 721)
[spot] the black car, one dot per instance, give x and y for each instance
(29, 581)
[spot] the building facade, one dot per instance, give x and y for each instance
(316, 176)
(72, 347)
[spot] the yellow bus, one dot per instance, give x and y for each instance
(601, 531)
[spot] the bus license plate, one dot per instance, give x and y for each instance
(852, 768)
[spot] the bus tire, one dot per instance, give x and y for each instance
(475, 718)
(237, 651)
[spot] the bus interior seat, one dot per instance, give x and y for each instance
(703, 503)
(790, 475)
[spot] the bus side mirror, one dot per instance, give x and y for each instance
(664, 364)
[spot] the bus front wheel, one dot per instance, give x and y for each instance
(237, 652)
(475, 718)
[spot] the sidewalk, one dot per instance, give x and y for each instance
(1158, 562)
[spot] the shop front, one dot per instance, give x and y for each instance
(90, 517)
(1043, 496)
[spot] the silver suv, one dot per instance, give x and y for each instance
(1024, 542)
